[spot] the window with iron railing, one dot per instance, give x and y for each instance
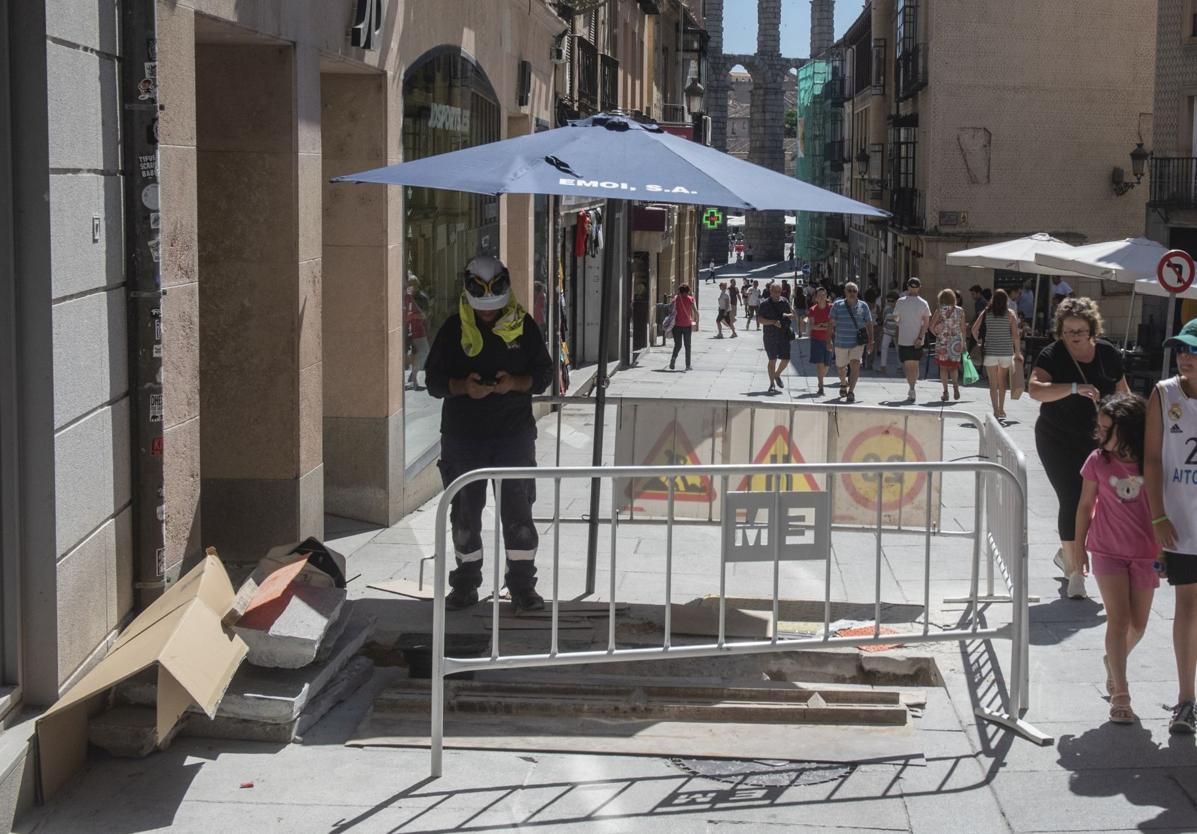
(609, 83)
(674, 113)
(588, 74)
(911, 72)
(1173, 182)
(878, 66)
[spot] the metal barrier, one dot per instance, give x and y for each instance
(813, 517)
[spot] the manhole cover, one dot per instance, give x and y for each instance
(763, 772)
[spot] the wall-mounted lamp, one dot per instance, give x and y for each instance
(1139, 157)
(694, 94)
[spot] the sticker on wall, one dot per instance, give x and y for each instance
(155, 408)
(157, 446)
(153, 245)
(149, 196)
(147, 166)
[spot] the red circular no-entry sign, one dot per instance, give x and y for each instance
(1175, 271)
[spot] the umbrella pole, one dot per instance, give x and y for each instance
(1130, 317)
(606, 295)
(1035, 315)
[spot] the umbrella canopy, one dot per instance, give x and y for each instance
(614, 157)
(1119, 260)
(1015, 255)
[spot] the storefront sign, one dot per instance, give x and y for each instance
(448, 117)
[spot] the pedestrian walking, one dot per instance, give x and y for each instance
(776, 314)
(685, 316)
(819, 316)
(889, 332)
(733, 293)
(1114, 522)
(1170, 468)
(752, 304)
(914, 316)
(486, 362)
(996, 330)
(785, 290)
(416, 307)
(852, 336)
(1070, 378)
(726, 314)
(950, 329)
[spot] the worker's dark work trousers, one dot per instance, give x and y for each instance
(461, 455)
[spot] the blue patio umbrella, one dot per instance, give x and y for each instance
(612, 157)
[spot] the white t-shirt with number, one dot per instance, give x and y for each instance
(1180, 462)
(910, 310)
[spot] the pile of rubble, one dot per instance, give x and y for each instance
(301, 659)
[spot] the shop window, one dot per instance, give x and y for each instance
(448, 104)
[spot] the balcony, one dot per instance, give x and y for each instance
(609, 83)
(588, 75)
(674, 114)
(911, 72)
(908, 207)
(1173, 182)
(834, 154)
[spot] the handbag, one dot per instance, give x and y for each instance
(862, 334)
(969, 369)
(670, 317)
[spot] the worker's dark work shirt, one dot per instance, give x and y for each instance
(498, 415)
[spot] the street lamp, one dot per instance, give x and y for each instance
(694, 95)
(1139, 157)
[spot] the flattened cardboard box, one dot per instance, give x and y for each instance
(181, 633)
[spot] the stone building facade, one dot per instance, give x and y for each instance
(285, 323)
(968, 124)
(1172, 174)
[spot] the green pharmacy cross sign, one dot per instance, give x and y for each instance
(713, 218)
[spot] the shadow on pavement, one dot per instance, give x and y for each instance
(1063, 618)
(1150, 782)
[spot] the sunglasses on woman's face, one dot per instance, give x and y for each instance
(1191, 350)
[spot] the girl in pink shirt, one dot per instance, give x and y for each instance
(1114, 521)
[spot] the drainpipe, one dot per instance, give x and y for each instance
(143, 277)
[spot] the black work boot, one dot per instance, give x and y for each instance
(464, 580)
(521, 583)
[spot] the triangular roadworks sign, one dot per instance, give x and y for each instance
(673, 448)
(779, 447)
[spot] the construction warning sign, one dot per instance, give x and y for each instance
(903, 495)
(778, 447)
(673, 448)
(660, 433)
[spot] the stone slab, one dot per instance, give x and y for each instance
(294, 638)
(275, 696)
(347, 681)
(129, 731)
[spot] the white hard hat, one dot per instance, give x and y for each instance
(487, 283)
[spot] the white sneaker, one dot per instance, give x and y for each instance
(1058, 561)
(1076, 586)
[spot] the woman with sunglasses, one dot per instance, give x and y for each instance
(1070, 378)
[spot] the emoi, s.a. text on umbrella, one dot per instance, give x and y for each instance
(613, 157)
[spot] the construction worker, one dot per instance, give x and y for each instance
(486, 363)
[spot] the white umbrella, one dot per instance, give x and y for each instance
(1016, 255)
(1118, 260)
(1130, 261)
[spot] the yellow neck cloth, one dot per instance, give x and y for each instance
(509, 326)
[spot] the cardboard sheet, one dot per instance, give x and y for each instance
(181, 633)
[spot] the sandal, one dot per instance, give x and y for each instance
(1120, 709)
(944, 398)
(957, 390)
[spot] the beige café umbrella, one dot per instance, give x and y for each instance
(1132, 260)
(1017, 255)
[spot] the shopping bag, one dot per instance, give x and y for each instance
(1018, 379)
(970, 370)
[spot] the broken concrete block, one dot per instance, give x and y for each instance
(347, 681)
(274, 696)
(129, 732)
(292, 638)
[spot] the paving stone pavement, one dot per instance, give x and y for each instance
(975, 776)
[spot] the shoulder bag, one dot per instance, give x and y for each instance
(862, 333)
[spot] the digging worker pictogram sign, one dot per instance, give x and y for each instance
(673, 448)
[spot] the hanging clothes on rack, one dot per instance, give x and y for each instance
(582, 234)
